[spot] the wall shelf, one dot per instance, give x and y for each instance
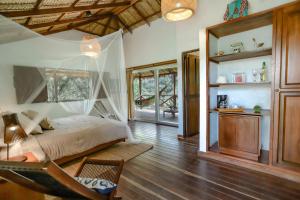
(240, 56)
(242, 24)
(240, 84)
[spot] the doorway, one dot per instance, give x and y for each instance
(191, 93)
(155, 96)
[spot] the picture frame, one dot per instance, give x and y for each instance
(238, 78)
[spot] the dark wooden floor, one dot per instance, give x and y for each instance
(173, 171)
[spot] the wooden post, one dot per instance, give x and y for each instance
(174, 89)
(140, 90)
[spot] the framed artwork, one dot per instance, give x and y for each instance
(238, 78)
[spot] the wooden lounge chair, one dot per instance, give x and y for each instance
(50, 179)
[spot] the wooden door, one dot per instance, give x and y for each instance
(289, 129)
(191, 92)
(227, 131)
(248, 134)
(289, 24)
(286, 124)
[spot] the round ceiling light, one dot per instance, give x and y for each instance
(177, 10)
(90, 46)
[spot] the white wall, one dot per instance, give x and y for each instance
(191, 34)
(150, 44)
(147, 45)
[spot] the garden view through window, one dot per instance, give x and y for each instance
(155, 94)
(68, 85)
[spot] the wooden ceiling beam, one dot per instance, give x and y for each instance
(102, 24)
(140, 14)
(63, 10)
(78, 19)
(118, 11)
(106, 26)
(74, 3)
(73, 26)
(88, 32)
(123, 24)
(37, 4)
(156, 13)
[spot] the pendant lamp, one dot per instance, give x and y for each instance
(177, 10)
(90, 46)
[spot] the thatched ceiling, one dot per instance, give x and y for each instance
(98, 17)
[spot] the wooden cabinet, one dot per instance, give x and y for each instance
(288, 151)
(286, 125)
(239, 135)
(288, 46)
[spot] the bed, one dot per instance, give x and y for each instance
(76, 136)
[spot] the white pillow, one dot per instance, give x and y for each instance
(29, 126)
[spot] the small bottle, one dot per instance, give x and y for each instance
(263, 73)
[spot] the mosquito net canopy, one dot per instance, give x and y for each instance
(60, 77)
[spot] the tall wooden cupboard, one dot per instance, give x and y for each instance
(286, 141)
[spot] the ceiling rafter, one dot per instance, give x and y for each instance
(117, 22)
(37, 4)
(58, 22)
(106, 26)
(73, 26)
(112, 10)
(123, 24)
(88, 32)
(36, 7)
(74, 3)
(140, 14)
(102, 24)
(27, 21)
(137, 22)
(118, 11)
(63, 10)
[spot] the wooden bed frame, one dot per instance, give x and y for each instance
(66, 159)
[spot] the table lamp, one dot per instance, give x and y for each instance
(13, 132)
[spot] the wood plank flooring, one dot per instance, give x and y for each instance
(173, 171)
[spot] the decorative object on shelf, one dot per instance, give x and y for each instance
(238, 78)
(237, 47)
(221, 79)
(257, 109)
(263, 72)
(177, 10)
(222, 101)
(220, 53)
(255, 75)
(236, 9)
(257, 46)
(13, 131)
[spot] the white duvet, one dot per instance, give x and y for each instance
(73, 135)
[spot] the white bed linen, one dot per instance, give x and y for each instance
(72, 135)
(75, 134)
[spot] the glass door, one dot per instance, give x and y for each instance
(168, 98)
(144, 87)
(155, 95)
